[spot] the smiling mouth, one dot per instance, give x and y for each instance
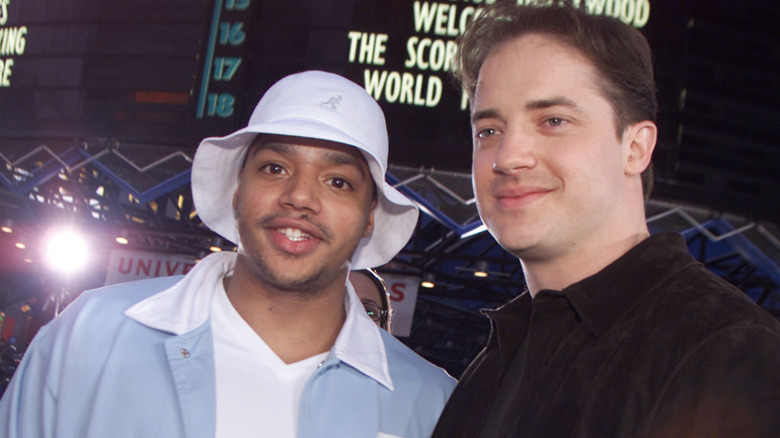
(520, 198)
(294, 234)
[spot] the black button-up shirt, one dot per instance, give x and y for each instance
(654, 345)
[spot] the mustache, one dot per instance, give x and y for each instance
(267, 221)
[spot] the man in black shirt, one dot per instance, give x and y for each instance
(619, 334)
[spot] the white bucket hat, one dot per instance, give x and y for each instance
(312, 104)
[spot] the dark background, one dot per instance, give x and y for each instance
(131, 71)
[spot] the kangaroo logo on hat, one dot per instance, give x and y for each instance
(332, 103)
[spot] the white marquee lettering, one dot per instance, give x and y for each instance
(403, 87)
(5, 72)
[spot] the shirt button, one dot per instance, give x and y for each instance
(184, 353)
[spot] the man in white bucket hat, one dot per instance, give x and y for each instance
(269, 341)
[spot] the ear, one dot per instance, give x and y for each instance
(370, 222)
(639, 140)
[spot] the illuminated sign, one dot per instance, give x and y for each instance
(633, 12)
(404, 55)
(445, 21)
(226, 40)
(177, 78)
(423, 54)
(13, 40)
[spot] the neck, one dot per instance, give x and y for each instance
(583, 260)
(294, 325)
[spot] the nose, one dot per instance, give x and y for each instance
(301, 193)
(514, 153)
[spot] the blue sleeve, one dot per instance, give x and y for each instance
(27, 408)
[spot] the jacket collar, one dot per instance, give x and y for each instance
(360, 343)
(186, 306)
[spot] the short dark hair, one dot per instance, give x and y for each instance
(619, 53)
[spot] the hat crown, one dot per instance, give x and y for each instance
(328, 100)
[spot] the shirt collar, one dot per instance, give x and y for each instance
(187, 305)
(602, 299)
(507, 322)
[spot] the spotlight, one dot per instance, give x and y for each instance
(121, 238)
(7, 226)
(481, 269)
(216, 246)
(66, 250)
(428, 280)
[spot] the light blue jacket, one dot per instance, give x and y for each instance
(131, 361)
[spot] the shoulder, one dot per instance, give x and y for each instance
(132, 291)
(85, 333)
(710, 325)
(102, 310)
(405, 363)
(124, 295)
(119, 297)
(715, 303)
(730, 376)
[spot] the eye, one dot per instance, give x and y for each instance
(272, 168)
(374, 311)
(488, 132)
(556, 121)
(340, 183)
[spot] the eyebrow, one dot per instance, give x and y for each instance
(484, 114)
(549, 103)
(529, 106)
(333, 157)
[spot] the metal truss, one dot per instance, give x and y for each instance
(142, 192)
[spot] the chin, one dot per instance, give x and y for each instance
(298, 283)
(516, 245)
(282, 276)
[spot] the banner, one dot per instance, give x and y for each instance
(128, 265)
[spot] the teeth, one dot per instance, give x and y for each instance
(294, 234)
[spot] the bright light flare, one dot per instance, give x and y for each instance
(66, 250)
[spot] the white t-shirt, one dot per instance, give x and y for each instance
(257, 393)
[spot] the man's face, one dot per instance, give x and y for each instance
(302, 207)
(548, 168)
